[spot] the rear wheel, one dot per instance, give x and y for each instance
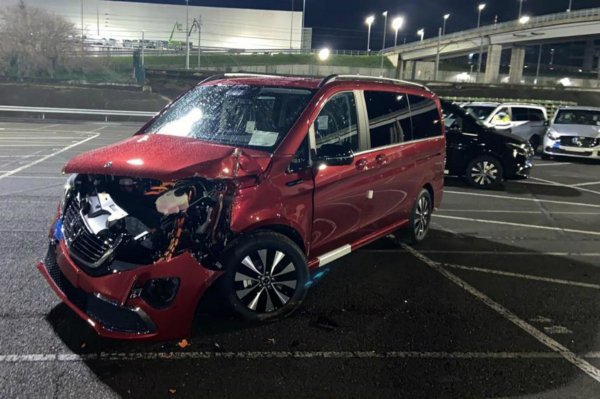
(420, 218)
(266, 275)
(484, 172)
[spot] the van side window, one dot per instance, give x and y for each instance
(389, 118)
(425, 118)
(336, 124)
(536, 115)
(520, 114)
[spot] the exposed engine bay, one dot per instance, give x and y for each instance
(113, 223)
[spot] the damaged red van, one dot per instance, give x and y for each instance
(253, 180)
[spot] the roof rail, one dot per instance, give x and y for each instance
(249, 75)
(332, 78)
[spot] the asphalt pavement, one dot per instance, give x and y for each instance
(501, 301)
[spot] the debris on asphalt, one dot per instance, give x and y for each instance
(183, 343)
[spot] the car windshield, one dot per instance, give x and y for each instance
(237, 115)
(480, 112)
(577, 117)
(457, 118)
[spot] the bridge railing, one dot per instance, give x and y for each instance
(500, 28)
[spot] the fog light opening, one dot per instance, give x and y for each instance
(160, 293)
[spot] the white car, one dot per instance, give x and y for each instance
(574, 132)
(524, 120)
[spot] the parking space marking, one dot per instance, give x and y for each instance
(592, 183)
(523, 276)
(124, 356)
(536, 165)
(554, 183)
(516, 212)
(522, 199)
(42, 159)
(528, 226)
(550, 343)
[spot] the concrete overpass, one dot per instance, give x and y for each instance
(492, 39)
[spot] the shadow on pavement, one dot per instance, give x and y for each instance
(378, 299)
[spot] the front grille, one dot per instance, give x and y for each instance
(567, 152)
(86, 248)
(581, 142)
(110, 315)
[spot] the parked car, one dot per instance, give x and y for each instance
(484, 156)
(523, 120)
(574, 132)
(252, 180)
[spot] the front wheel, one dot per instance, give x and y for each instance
(484, 172)
(420, 218)
(266, 275)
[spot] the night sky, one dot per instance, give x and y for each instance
(339, 24)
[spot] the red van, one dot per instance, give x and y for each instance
(253, 180)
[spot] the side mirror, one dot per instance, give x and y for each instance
(335, 155)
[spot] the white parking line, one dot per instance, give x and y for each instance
(552, 344)
(537, 165)
(522, 199)
(554, 183)
(124, 356)
(528, 226)
(495, 253)
(592, 183)
(516, 212)
(523, 276)
(42, 159)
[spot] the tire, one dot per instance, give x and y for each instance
(265, 276)
(484, 172)
(419, 220)
(535, 142)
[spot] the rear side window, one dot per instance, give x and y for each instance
(536, 115)
(336, 124)
(520, 114)
(389, 118)
(425, 118)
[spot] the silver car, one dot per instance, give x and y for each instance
(574, 132)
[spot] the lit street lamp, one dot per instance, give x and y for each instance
(524, 19)
(421, 32)
(369, 21)
(446, 16)
(324, 54)
(397, 25)
(385, 15)
(480, 8)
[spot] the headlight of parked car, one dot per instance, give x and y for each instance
(552, 135)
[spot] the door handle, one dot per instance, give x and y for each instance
(362, 163)
(381, 159)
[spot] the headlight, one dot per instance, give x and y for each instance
(70, 183)
(552, 135)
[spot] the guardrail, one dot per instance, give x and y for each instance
(75, 111)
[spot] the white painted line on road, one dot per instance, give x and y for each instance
(42, 159)
(516, 212)
(522, 199)
(37, 138)
(99, 129)
(27, 145)
(137, 356)
(53, 125)
(552, 344)
(537, 165)
(494, 253)
(554, 183)
(523, 276)
(35, 177)
(527, 226)
(592, 183)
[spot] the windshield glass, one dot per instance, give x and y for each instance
(577, 117)
(237, 115)
(457, 118)
(480, 112)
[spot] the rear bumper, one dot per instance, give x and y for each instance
(106, 302)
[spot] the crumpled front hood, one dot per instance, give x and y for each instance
(576, 130)
(166, 158)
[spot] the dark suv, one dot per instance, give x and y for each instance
(485, 157)
(252, 180)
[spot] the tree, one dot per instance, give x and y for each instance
(34, 41)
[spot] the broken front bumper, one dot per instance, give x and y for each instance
(111, 304)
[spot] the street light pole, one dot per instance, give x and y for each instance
(187, 35)
(385, 16)
(199, 26)
(369, 21)
(82, 25)
(303, 43)
(520, 8)
(570, 5)
(446, 16)
(480, 7)
(292, 26)
(437, 55)
(397, 24)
